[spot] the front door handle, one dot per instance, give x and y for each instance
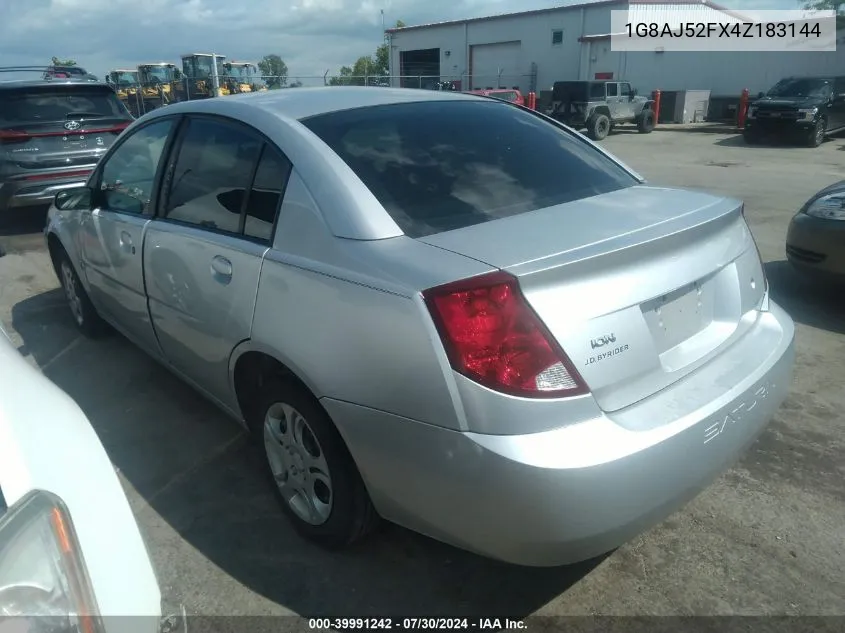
(221, 269)
(126, 243)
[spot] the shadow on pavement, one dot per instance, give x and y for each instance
(809, 302)
(197, 470)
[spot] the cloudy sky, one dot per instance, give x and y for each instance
(312, 36)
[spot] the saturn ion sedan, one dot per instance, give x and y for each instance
(441, 309)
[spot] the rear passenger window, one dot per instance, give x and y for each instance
(270, 180)
(612, 90)
(212, 174)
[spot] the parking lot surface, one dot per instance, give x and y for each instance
(767, 538)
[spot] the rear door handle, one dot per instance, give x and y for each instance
(126, 242)
(221, 269)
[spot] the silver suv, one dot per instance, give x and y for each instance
(52, 133)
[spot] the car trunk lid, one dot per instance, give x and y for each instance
(639, 286)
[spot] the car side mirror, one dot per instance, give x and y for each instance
(633, 92)
(74, 198)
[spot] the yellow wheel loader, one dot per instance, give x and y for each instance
(126, 86)
(241, 77)
(204, 75)
(161, 84)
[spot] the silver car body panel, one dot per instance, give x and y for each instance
(657, 296)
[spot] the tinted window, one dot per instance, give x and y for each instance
(213, 171)
(442, 165)
(612, 90)
(624, 90)
(802, 87)
(18, 106)
(129, 173)
(270, 179)
(597, 91)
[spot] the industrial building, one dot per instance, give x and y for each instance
(533, 49)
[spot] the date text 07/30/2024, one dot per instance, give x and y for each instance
(414, 624)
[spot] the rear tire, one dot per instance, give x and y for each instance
(645, 124)
(82, 310)
(312, 472)
(598, 127)
(817, 133)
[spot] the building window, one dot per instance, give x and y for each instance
(557, 37)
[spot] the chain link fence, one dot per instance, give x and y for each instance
(142, 98)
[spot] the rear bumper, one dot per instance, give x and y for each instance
(817, 246)
(16, 194)
(575, 492)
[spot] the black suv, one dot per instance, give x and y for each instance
(52, 133)
(802, 108)
(600, 106)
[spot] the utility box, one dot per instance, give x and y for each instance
(684, 106)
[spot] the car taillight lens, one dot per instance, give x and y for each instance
(13, 136)
(493, 337)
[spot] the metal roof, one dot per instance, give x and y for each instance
(157, 64)
(204, 55)
(569, 7)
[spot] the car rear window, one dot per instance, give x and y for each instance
(21, 106)
(437, 166)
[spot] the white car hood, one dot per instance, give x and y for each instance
(47, 443)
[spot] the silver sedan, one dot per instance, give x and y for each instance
(444, 310)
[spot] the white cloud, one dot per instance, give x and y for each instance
(312, 36)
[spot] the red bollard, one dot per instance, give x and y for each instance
(532, 100)
(743, 109)
(656, 96)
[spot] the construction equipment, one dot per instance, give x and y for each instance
(126, 85)
(242, 77)
(160, 84)
(203, 72)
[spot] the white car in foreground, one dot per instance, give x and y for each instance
(71, 557)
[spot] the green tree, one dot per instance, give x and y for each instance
(58, 61)
(274, 71)
(377, 65)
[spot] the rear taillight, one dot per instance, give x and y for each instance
(13, 136)
(493, 337)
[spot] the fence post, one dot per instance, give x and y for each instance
(656, 96)
(743, 109)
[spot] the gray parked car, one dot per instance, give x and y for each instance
(504, 341)
(599, 106)
(52, 133)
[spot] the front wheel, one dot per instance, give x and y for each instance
(317, 481)
(598, 127)
(84, 314)
(645, 124)
(817, 133)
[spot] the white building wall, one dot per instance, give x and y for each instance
(533, 31)
(722, 73)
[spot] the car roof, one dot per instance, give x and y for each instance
(40, 83)
(301, 103)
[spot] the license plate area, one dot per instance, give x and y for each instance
(74, 141)
(679, 315)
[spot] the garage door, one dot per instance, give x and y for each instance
(498, 66)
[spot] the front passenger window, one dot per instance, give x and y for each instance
(129, 173)
(625, 90)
